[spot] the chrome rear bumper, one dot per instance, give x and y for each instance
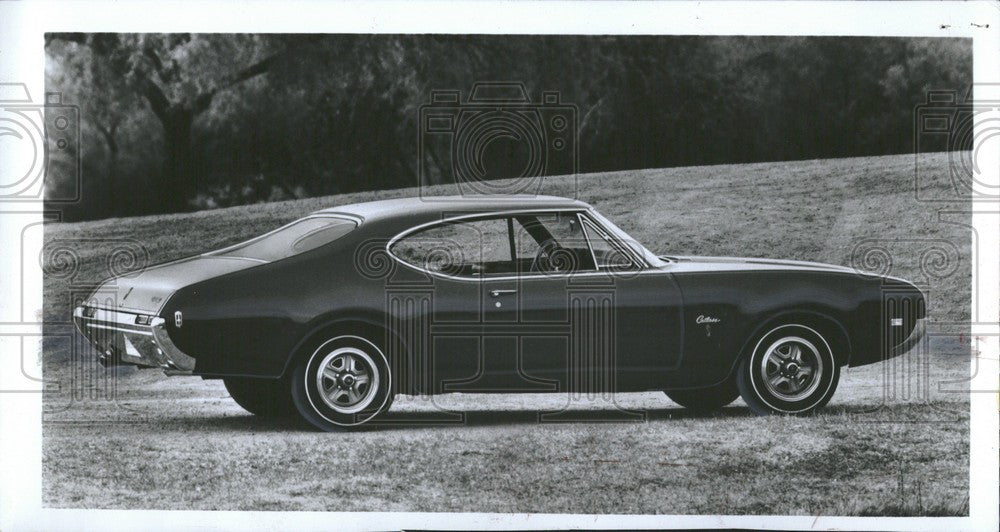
(122, 337)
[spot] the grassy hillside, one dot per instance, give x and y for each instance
(894, 440)
(822, 210)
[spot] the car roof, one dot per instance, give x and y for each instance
(438, 205)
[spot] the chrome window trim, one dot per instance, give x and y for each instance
(621, 247)
(646, 257)
(586, 236)
(642, 265)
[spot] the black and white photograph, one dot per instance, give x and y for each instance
(500, 265)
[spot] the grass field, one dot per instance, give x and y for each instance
(894, 440)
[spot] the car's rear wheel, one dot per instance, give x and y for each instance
(260, 397)
(706, 399)
(343, 383)
(791, 370)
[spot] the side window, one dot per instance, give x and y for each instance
(607, 254)
(471, 248)
(550, 243)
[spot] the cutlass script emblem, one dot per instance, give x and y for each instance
(706, 319)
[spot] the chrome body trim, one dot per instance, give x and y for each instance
(113, 331)
(498, 293)
(915, 337)
(251, 259)
(175, 357)
(114, 328)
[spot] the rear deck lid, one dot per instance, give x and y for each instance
(147, 290)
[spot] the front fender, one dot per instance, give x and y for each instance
(725, 311)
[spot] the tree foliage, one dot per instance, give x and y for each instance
(181, 121)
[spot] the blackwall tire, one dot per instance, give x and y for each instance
(706, 399)
(343, 383)
(261, 397)
(791, 370)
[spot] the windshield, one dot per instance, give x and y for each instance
(651, 258)
(297, 237)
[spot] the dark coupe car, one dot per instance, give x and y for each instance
(334, 314)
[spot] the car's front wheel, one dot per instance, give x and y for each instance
(791, 370)
(343, 383)
(706, 399)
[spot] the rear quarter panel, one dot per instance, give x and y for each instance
(250, 322)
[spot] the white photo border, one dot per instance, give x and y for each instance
(23, 25)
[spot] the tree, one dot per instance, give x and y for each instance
(178, 76)
(175, 121)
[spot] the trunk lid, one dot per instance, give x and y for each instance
(146, 291)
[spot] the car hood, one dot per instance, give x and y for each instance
(147, 290)
(694, 263)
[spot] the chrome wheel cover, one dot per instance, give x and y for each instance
(347, 379)
(791, 368)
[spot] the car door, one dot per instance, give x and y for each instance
(540, 301)
(649, 309)
(593, 316)
(562, 309)
(468, 332)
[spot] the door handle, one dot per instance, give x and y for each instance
(498, 293)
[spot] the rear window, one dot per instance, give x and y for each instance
(297, 237)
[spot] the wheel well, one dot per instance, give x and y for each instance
(829, 328)
(391, 344)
